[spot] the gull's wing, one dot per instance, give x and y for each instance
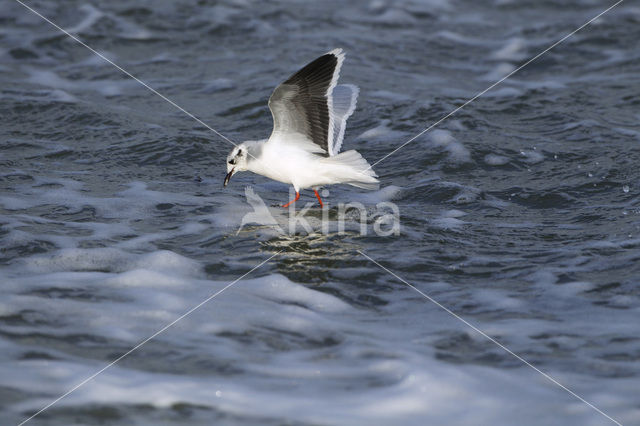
(343, 103)
(306, 109)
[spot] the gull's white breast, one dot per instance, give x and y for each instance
(289, 163)
(295, 164)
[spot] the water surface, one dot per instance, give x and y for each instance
(520, 214)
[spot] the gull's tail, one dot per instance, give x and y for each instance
(351, 168)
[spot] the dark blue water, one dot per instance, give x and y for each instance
(520, 214)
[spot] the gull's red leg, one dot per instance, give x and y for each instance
(295, 199)
(319, 199)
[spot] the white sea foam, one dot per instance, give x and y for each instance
(104, 87)
(495, 160)
(513, 50)
(532, 157)
(499, 72)
(383, 130)
(92, 16)
(148, 291)
(456, 150)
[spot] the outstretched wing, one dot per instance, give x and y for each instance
(305, 110)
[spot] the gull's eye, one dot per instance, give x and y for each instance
(240, 152)
(232, 161)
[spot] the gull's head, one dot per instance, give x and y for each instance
(236, 161)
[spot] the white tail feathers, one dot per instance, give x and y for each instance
(353, 169)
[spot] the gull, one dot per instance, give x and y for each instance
(310, 111)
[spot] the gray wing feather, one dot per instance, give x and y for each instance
(300, 108)
(343, 102)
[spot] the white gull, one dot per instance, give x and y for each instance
(310, 112)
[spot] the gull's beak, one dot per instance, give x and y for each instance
(227, 178)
